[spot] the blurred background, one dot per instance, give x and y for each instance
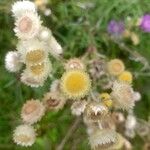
(77, 25)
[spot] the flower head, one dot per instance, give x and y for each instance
(29, 80)
(115, 67)
(145, 23)
(122, 94)
(78, 107)
(12, 61)
(40, 71)
(102, 139)
(75, 84)
(32, 111)
(96, 111)
(116, 27)
(126, 76)
(54, 101)
(74, 63)
(24, 135)
(32, 51)
(21, 7)
(27, 26)
(106, 99)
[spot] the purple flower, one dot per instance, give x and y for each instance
(145, 23)
(115, 27)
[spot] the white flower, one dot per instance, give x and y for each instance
(27, 26)
(78, 107)
(54, 101)
(20, 7)
(32, 51)
(47, 12)
(102, 139)
(39, 71)
(137, 96)
(35, 75)
(54, 47)
(30, 80)
(32, 111)
(96, 111)
(12, 61)
(24, 135)
(122, 94)
(130, 122)
(45, 34)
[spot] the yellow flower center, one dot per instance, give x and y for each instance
(76, 83)
(35, 56)
(37, 69)
(115, 67)
(126, 76)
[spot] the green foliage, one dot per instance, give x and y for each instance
(76, 29)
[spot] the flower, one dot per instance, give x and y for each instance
(29, 80)
(54, 47)
(32, 51)
(126, 76)
(102, 139)
(21, 7)
(78, 107)
(27, 26)
(54, 101)
(145, 23)
(122, 94)
(96, 111)
(115, 67)
(75, 84)
(12, 61)
(106, 99)
(24, 135)
(45, 34)
(32, 111)
(115, 27)
(136, 96)
(130, 122)
(40, 71)
(74, 63)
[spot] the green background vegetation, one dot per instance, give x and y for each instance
(76, 29)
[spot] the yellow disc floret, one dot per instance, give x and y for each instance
(115, 67)
(37, 69)
(106, 99)
(126, 76)
(35, 56)
(75, 84)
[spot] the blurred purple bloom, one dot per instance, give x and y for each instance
(145, 23)
(115, 27)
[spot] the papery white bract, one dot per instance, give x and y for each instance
(20, 7)
(12, 61)
(24, 135)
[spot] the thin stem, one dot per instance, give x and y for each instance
(69, 133)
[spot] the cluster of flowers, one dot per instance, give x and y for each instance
(35, 44)
(80, 83)
(119, 29)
